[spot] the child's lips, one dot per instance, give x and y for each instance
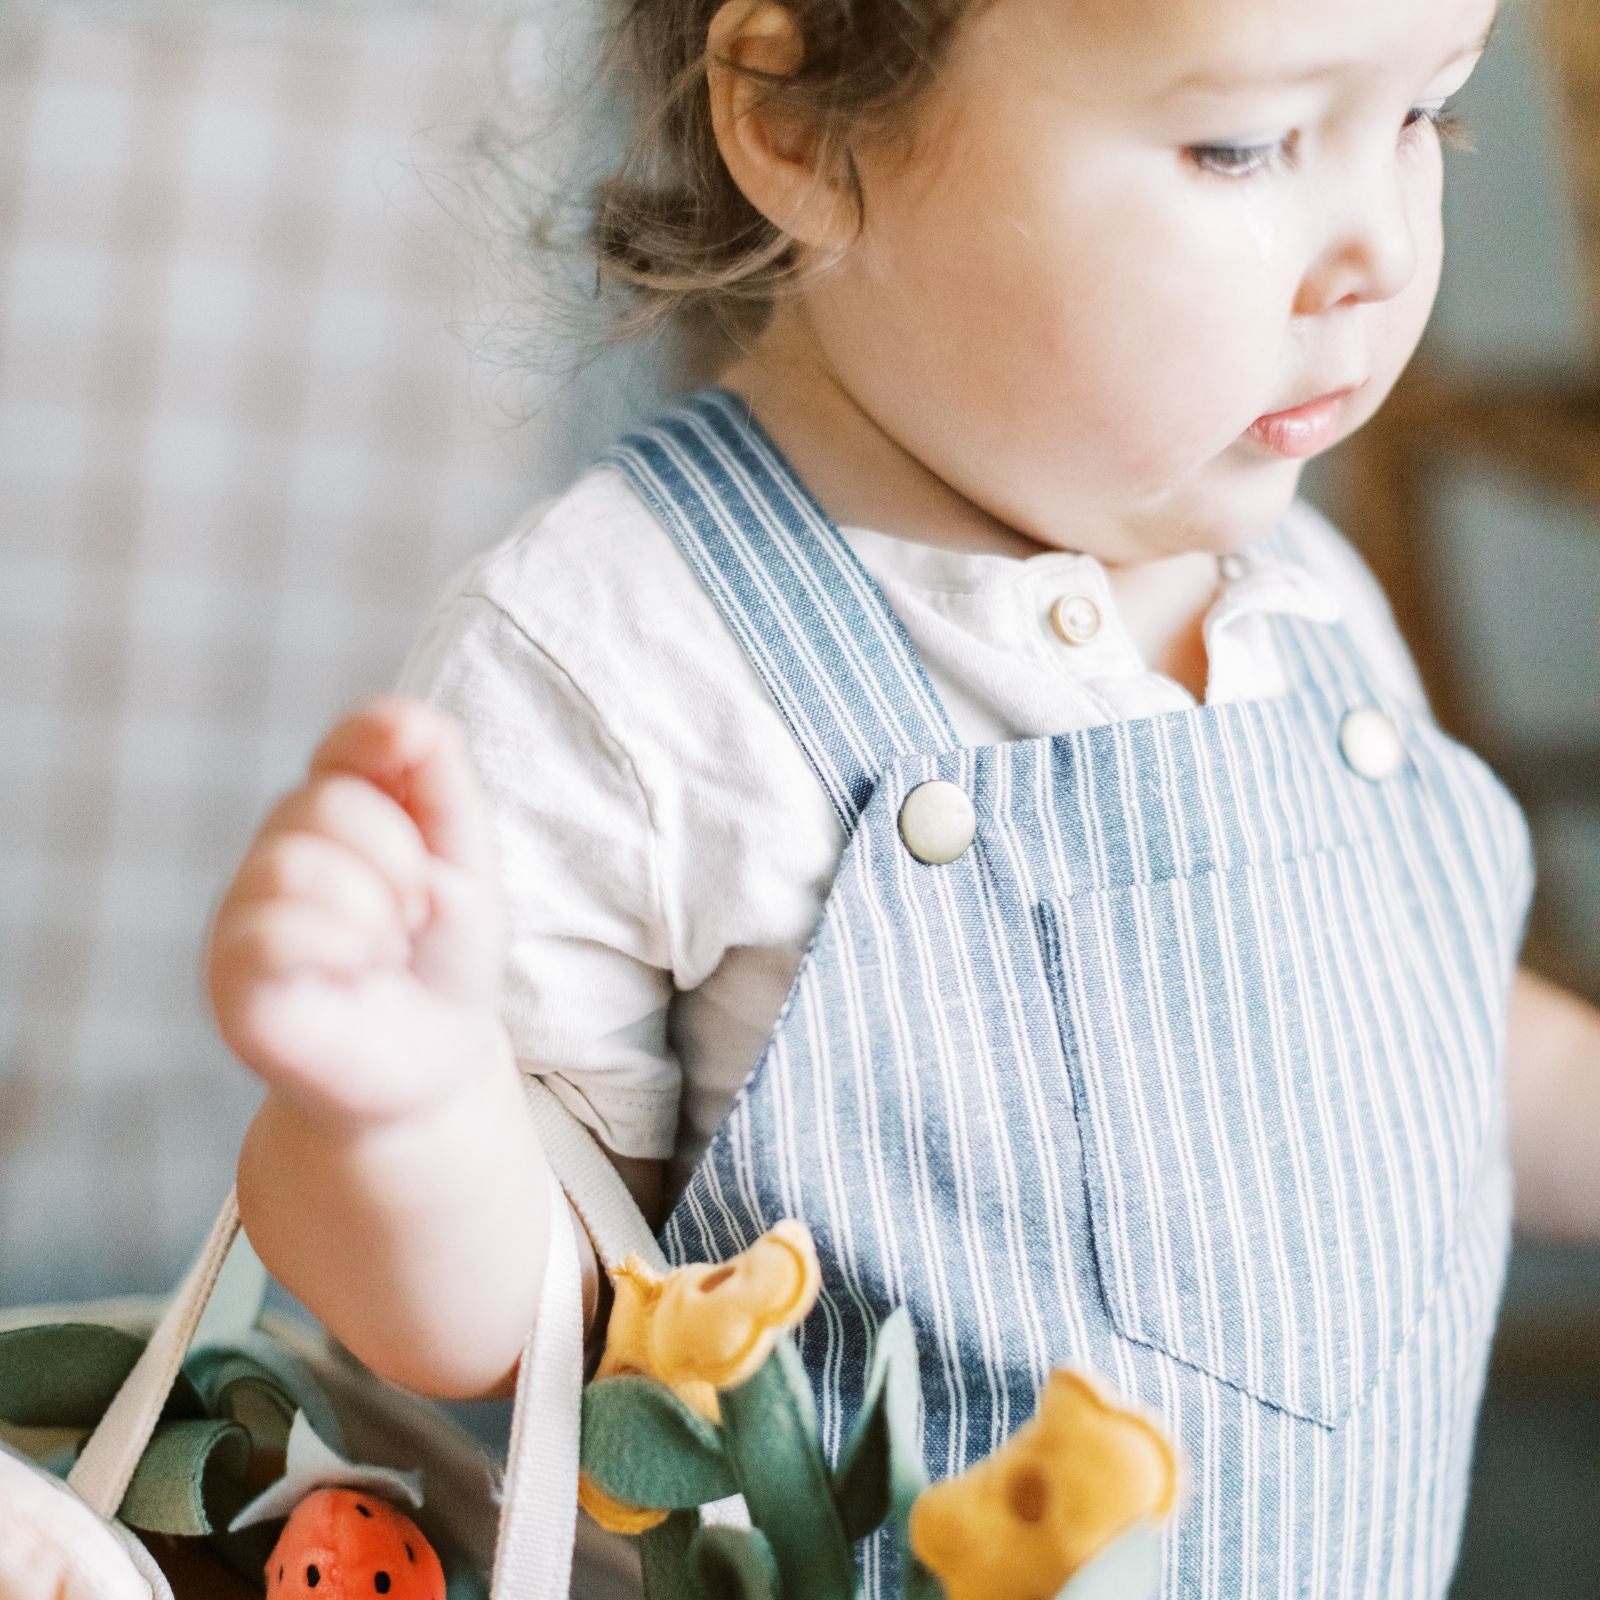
(1306, 429)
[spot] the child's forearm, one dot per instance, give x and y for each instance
(419, 1243)
(1553, 1091)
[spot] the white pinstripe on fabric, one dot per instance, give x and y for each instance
(1187, 1071)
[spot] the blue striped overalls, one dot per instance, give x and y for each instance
(1187, 1071)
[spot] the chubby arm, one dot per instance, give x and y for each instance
(392, 1178)
(1553, 1093)
(420, 1242)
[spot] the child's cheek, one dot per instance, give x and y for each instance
(1163, 367)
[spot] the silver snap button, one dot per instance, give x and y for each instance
(1076, 618)
(1370, 743)
(937, 821)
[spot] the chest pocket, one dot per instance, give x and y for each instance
(1277, 1147)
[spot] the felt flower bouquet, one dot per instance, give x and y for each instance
(701, 1395)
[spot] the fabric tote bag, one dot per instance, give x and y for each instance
(508, 1533)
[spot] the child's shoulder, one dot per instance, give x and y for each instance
(585, 574)
(592, 538)
(588, 603)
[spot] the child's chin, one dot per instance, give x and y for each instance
(1247, 506)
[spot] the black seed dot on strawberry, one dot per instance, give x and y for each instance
(313, 1577)
(380, 1582)
(363, 1509)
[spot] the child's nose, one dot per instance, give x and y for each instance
(1370, 253)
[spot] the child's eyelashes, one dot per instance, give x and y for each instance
(1244, 160)
(1450, 124)
(1253, 160)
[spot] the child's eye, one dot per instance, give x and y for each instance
(1252, 160)
(1243, 160)
(1451, 125)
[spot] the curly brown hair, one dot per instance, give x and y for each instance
(670, 226)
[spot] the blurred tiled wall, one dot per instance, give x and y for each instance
(254, 407)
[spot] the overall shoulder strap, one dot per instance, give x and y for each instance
(809, 616)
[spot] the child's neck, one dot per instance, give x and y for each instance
(864, 478)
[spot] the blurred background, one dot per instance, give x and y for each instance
(260, 394)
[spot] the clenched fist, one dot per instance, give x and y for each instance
(355, 961)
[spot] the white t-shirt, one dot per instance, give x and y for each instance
(665, 846)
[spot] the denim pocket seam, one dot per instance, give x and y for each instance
(1140, 1316)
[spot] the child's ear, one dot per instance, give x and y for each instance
(772, 157)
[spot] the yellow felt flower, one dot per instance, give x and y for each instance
(1023, 1521)
(716, 1323)
(701, 1328)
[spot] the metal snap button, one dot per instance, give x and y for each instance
(1076, 618)
(1232, 566)
(1370, 743)
(937, 821)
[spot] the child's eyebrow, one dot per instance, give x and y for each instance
(1224, 81)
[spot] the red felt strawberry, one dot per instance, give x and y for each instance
(344, 1537)
(339, 1544)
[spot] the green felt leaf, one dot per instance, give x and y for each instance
(664, 1557)
(643, 1445)
(769, 1430)
(735, 1564)
(1129, 1568)
(188, 1475)
(919, 1583)
(65, 1374)
(881, 1468)
(260, 1385)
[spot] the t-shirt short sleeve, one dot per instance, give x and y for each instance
(588, 980)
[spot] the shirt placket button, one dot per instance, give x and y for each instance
(1075, 618)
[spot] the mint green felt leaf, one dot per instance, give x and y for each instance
(643, 1445)
(1129, 1568)
(735, 1564)
(189, 1473)
(65, 1374)
(918, 1583)
(880, 1468)
(769, 1429)
(260, 1385)
(664, 1557)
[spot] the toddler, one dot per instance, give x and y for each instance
(937, 782)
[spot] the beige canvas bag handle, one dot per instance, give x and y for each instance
(538, 1513)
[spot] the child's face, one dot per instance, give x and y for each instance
(1064, 314)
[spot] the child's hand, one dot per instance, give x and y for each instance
(355, 962)
(52, 1547)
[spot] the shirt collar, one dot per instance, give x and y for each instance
(1259, 582)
